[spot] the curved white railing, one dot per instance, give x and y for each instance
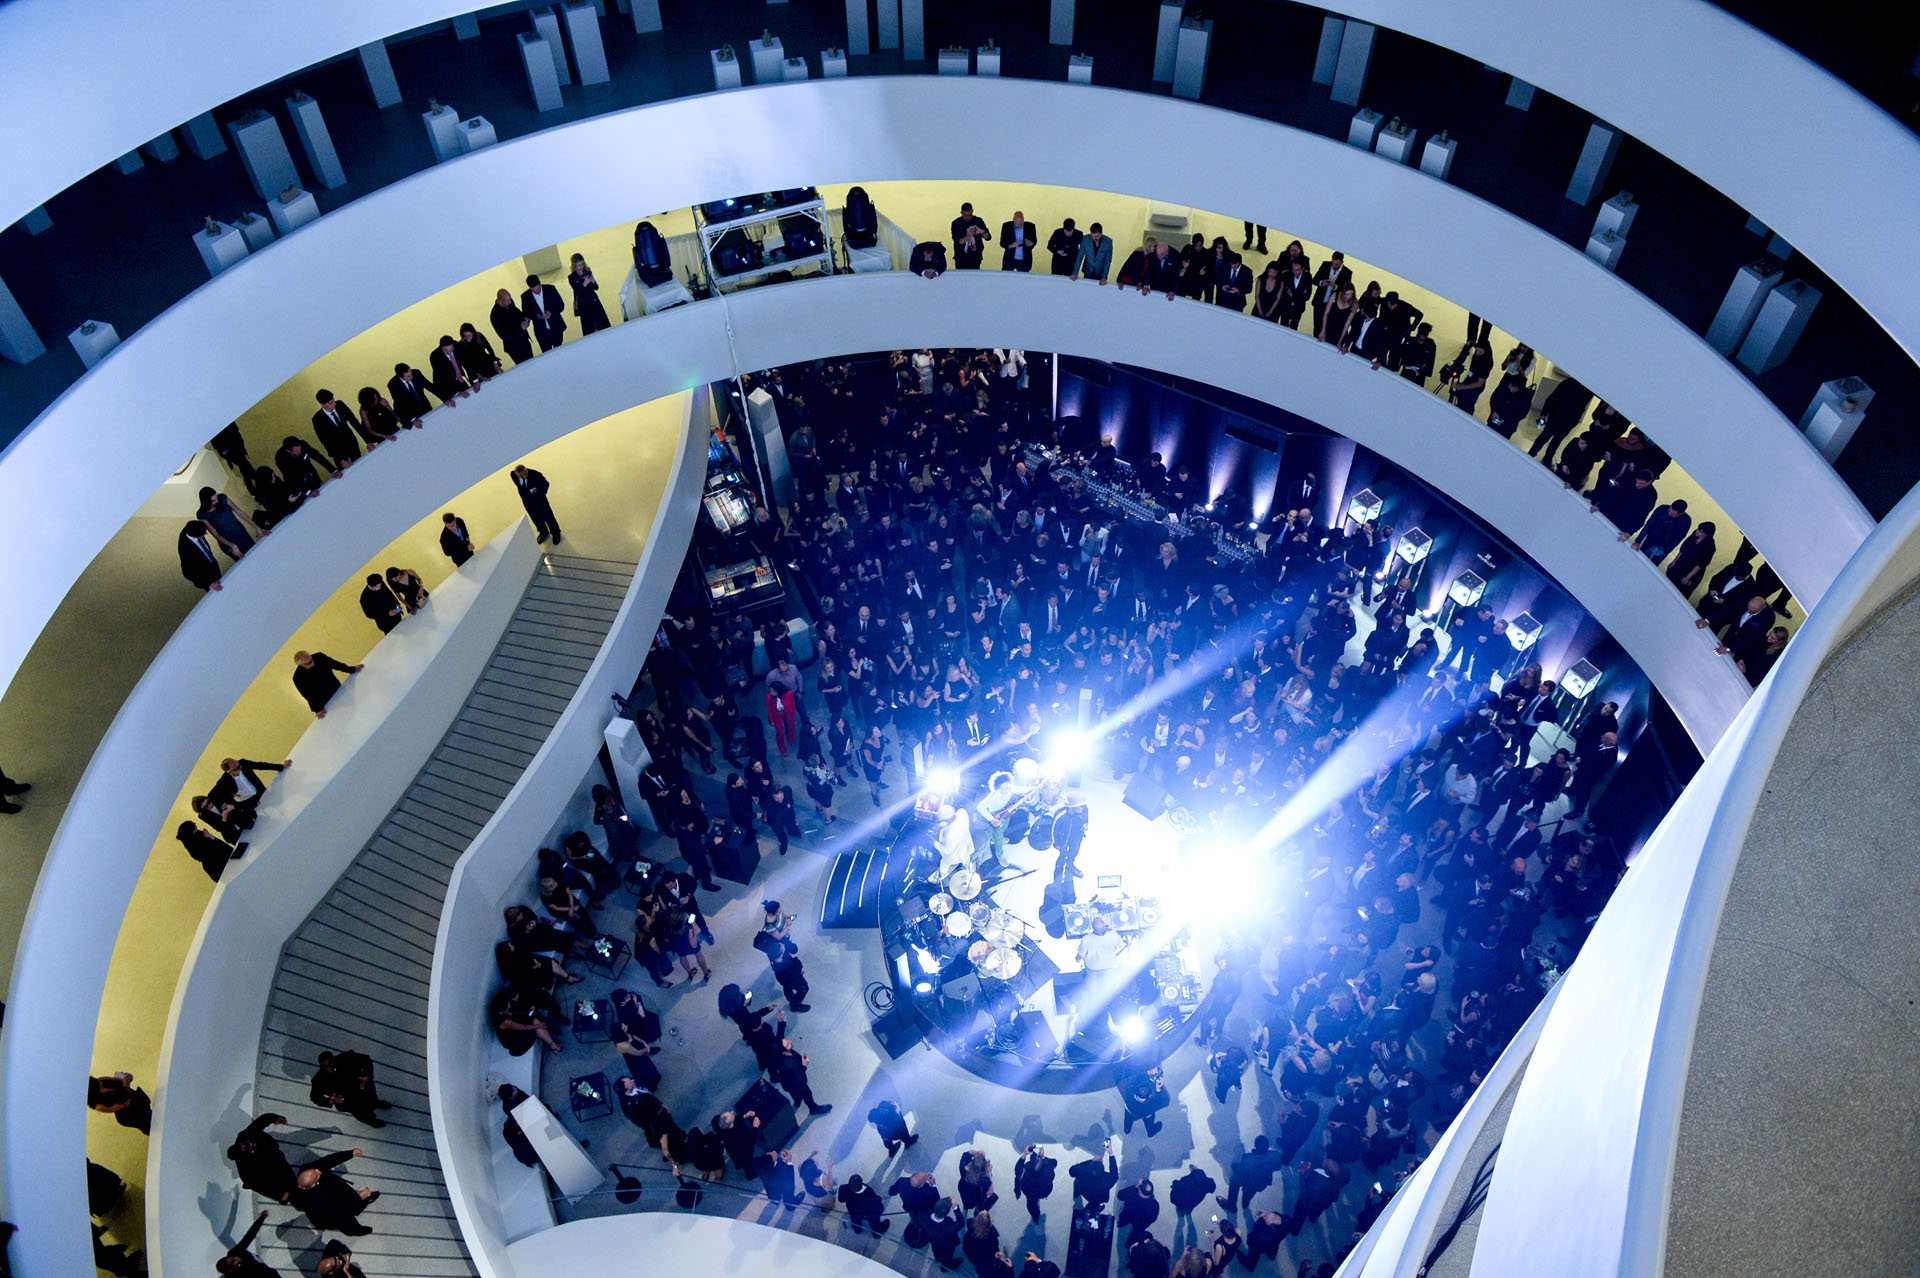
(675, 1243)
(490, 206)
(1728, 103)
(142, 762)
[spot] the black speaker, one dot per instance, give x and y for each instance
(1035, 1038)
(736, 252)
(737, 858)
(1090, 1244)
(898, 1031)
(802, 235)
(1146, 796)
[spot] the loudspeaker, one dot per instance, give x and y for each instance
(898, 1031)
(736, 252)
(1036, 1039)
(802, 236)
(737, 858)
(1146, 796)
(1089, 1244)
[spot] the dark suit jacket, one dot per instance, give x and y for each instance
(455, 544)
(337, 436)
(1328, 280)
(317, 683)
(409, 398)
(382, 609)
(556, 321)
(449, 379)
(1231, 286)
(197, 561)
(533, 490)
(1014, 238)
(224, 790)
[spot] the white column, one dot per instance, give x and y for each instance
(1327, 56)
(646, 16)
(1350, 73)
(1060, 22)
(1396, 144)
(289, 215)
(542, 80)
(795, 69)
(1364, 129)
(379, 71)
(315, 141)
(547, 23)
(1751, 284)
(162, 150)
(726, 67)
(264, 154)
(1782, 317)
(913, 30)
(466, 25)
(222, 248)
(887, 34)
(986, 60)
(630, 758)
(1835, 414)
(589, 51)
(203, 137)
(1436, 157)
(1190, 57)
(1166, 39)
(857, 37)
(1605, 246)
(18, 341)
(765, 416)
(1519, 93)
(1617, 214)
(478, 134)
(1596, 161)
(443, 133)
(1080, 68)
(37, 220)
(768, 55)
(833, 64)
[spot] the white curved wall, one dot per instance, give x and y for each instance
(89, 80)
(687, 1244)
(490, 206)
(142, 762)
(1725, 101)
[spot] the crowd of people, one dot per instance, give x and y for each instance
(960, 595)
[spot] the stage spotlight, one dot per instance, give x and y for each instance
(923, 986)
(928, 962)
(1131, 1029)
(942, 781)
(1069, 751)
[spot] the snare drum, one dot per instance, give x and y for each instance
(957, 924)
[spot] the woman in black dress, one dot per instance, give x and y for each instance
(873, 759)
(407, 586)
(586, 297)
(475, 354)
(1267, 294)
(510, 326)
(378, 421)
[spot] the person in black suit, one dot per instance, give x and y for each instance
(1064, 247)
(1558, 416)
(1232, 282)
(476, 356)
(864, 1207)
(263, 1166)
(408, 390)
(240, 781)
(336, 1261)
(344, 1081)
(455, 544)
(209, 852)
(314, 678)
(377, 601)
(1332, 276)
(197, 563)
(547, 312)
(328, 1200)
(239, 1262)
(533, 495)
(969, 235)
(1400, 319)
(449, 380)
(334, 425)
(296, 467)
(1296, 290)
(1413, 356)
(378, 421)
(1033, 1178)
(928, 260)
(1162, 274)
(1017, 239)
(511, 325)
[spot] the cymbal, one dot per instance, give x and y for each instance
(1003, 964)
(958, 924)
(940, 903)
(1003, 929)
(964, 884)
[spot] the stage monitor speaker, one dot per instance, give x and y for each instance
(737, 858)
(1035, 1037)
(1146, 796)
(898, 1031)
(1066, 986)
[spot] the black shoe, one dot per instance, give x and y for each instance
(913, 1139)
(15, 787)
(882, 1228)
(240, 850)
(372, 1198)
(818, 1109)
(806, 1007)
(541, 540)
(8, 808)
(383, 1104)
(373, 1122)
(709, 887)
(557, 539)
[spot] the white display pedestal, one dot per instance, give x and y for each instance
(297, 212)
(466, 26)
(955, 62)
(1166, 39)
(256, 230)
(1751, 284)
(202, 137)
(1060, 22)
(986, 61)
(1365, 128)
(646, 16)
(1327, 56)
(726, 67)
(130, 162)
(1782, 317)
(1080, 69)
(18, 341)
(795, 69)
(1190, 57)
(179, 496)
(315, 141)
(1835, 414)
(764, 415)
(37, 220)
(222, 250)
(546, 26)
(575, 1174)
(637, 299)
(589, 50)
(478, 133)
(443, 131)
(162, 150)
(1605, 247)
(863, 261)
(1519, 94)
(378, 68)
(913, 29)
(1436, 157)
(1616, 215)
(93, 347)
(799, 638)
(264, 154)
(768, 56)
(630, 758)
(1350, 72)
(833, 64)
(1596, 161)
(542, 81)
(1396, 144)
(858, 39)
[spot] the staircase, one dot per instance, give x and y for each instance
(355, 975)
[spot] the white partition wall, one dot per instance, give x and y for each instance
(489, 208)
(141, 764)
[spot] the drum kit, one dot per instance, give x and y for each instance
(963, 884)
(957, 924)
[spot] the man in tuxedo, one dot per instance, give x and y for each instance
(377, 601)
(1399, 319)
(969, 234)
(541, 303)
(344, 1081)
(1301, 492)
(197, 563)
(208, 852)
(1296, 290)
(240, 781)
(1332, 276)
(1017, 239)
(334, 425)
(455, 544)
(328, 1200)
(1232, 282)
(316, 679)
(1748, 633)
(1626, 500)
(1064, 247)
(533, 496)
(408, 391)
